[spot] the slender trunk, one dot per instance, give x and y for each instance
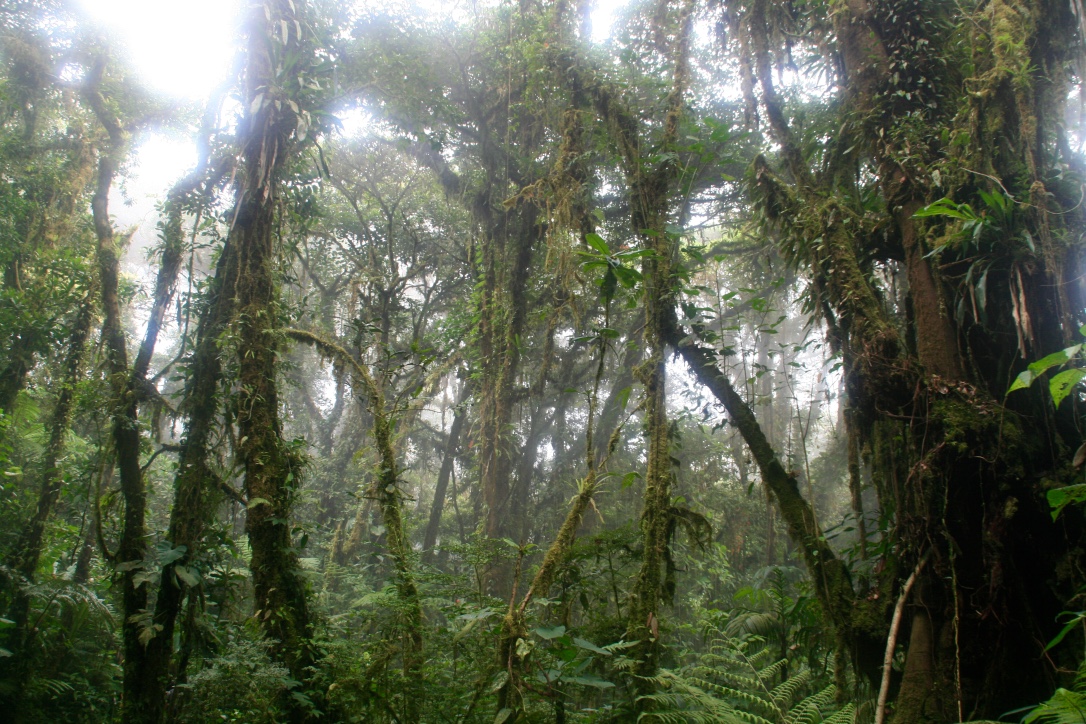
(514, 625)
(765, 411)
(386, 491)
(13, 377)
(195, 483)
(31, 540)
(132, 548)
(619, 394)
(855, 478)
(650, 201)
(448, 459)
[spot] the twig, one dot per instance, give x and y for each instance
(891, 640)
(156, 453)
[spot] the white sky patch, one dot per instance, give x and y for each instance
(181, 49)
(603, 18)
(159, 161)
(354, 122)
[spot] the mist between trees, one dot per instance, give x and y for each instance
(724, 370)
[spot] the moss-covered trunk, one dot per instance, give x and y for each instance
(386, 492)
(132, 548)
(952, 466)
(508, 241)
(27, 553)
(272, 469)
(195, 489)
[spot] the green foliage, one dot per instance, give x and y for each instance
(738, 679)
(241, 685)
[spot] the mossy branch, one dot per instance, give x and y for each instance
(829, 574)
(389, 500)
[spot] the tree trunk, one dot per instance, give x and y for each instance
(272, 469)
(448, 459)
(132, 549)
(29, 548)
(195, 488)
(386, 492)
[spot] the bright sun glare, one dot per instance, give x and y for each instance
(184, 50)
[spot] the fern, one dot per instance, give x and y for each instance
(846, 715)
(1065, 707)
(739, 680)
(680, 701)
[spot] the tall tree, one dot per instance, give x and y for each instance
(272, 467)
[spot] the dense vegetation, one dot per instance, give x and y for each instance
(727, 370)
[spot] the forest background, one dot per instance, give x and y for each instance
(489, 366)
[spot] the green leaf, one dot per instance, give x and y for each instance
(589, 646)
(186, 576)
(1022, 381)
(590, 680)
(624, 398)
(1054, 360)
(596, 242)
(1074, 623)
(503, 715)
(499, 681)
(609, 284)
(946, 207)
(1061, 385)
(549, 633)
(627, 277)
(258, 501)
(1060, 498)
(169, 555)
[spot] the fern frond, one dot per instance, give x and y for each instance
(843, 716)
(812, 710)
(684, 701)
(748, 698)
(760, 659)
(785, 693)
(762, 623)
(1065, 707)
(729, 678)
(773, 671)
(750, 718)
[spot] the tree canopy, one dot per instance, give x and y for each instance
(726, 369)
